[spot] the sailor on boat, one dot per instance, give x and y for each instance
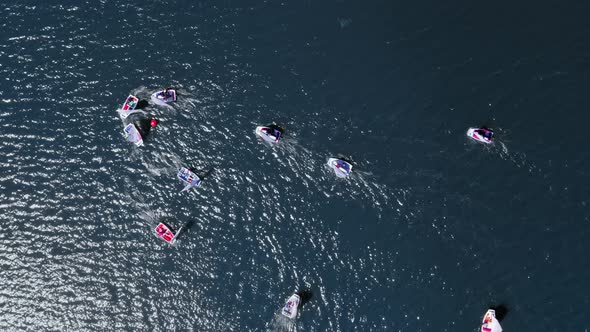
(341, 167)
(164, 97)
(482, 134)
(271, 134)
(485, 133)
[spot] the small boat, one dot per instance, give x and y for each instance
(290, 308)
(483, 135)
(341, 167)
(490, 323)
(187, 176)
(164, 97)
(166, 233)
(271, 134)
(129, 106)
(133, 135)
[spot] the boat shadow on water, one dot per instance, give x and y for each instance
(144, 127)
(141, 104)
(305, 296)
(184, 228)
(202, 173)
(501, 311)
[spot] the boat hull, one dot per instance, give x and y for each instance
(475, 135)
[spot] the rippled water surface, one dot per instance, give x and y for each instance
(429, 230)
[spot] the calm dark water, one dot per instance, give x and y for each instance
(429, 231)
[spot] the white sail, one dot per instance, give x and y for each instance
(290, 308)
(490, 323)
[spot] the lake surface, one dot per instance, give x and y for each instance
(428, 232)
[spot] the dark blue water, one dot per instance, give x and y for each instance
(429, 231)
